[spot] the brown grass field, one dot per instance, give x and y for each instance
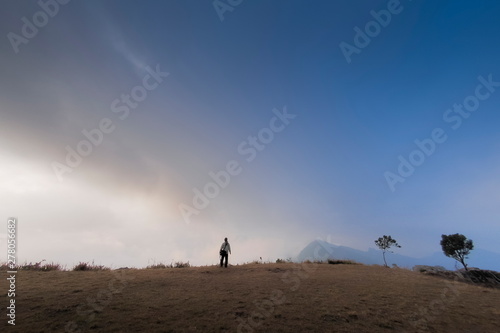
(281, 297)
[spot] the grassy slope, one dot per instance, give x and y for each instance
(291, 298)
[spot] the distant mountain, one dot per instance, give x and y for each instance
(319, 249)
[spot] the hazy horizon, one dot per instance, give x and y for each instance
(339, 121)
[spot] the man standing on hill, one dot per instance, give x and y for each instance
(225, 248)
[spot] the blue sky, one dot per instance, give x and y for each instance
(323, 175)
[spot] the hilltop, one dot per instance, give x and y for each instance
(282, 297)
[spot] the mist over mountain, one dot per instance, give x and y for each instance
(321, 250)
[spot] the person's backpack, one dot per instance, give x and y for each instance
(223, 252)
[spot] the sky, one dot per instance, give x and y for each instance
(133, 133)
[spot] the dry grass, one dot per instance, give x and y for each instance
(281, 297)
(37, 266)
(85, 266)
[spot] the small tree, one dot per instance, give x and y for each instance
(457, 246)
(384, 243)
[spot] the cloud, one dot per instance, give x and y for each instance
(113, 33)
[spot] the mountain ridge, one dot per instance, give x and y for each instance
(321, 250)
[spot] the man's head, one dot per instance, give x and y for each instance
(225, 239)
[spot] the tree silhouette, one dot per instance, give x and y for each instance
(457, 246)
(384, 243)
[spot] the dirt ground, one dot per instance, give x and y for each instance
(250, 298)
